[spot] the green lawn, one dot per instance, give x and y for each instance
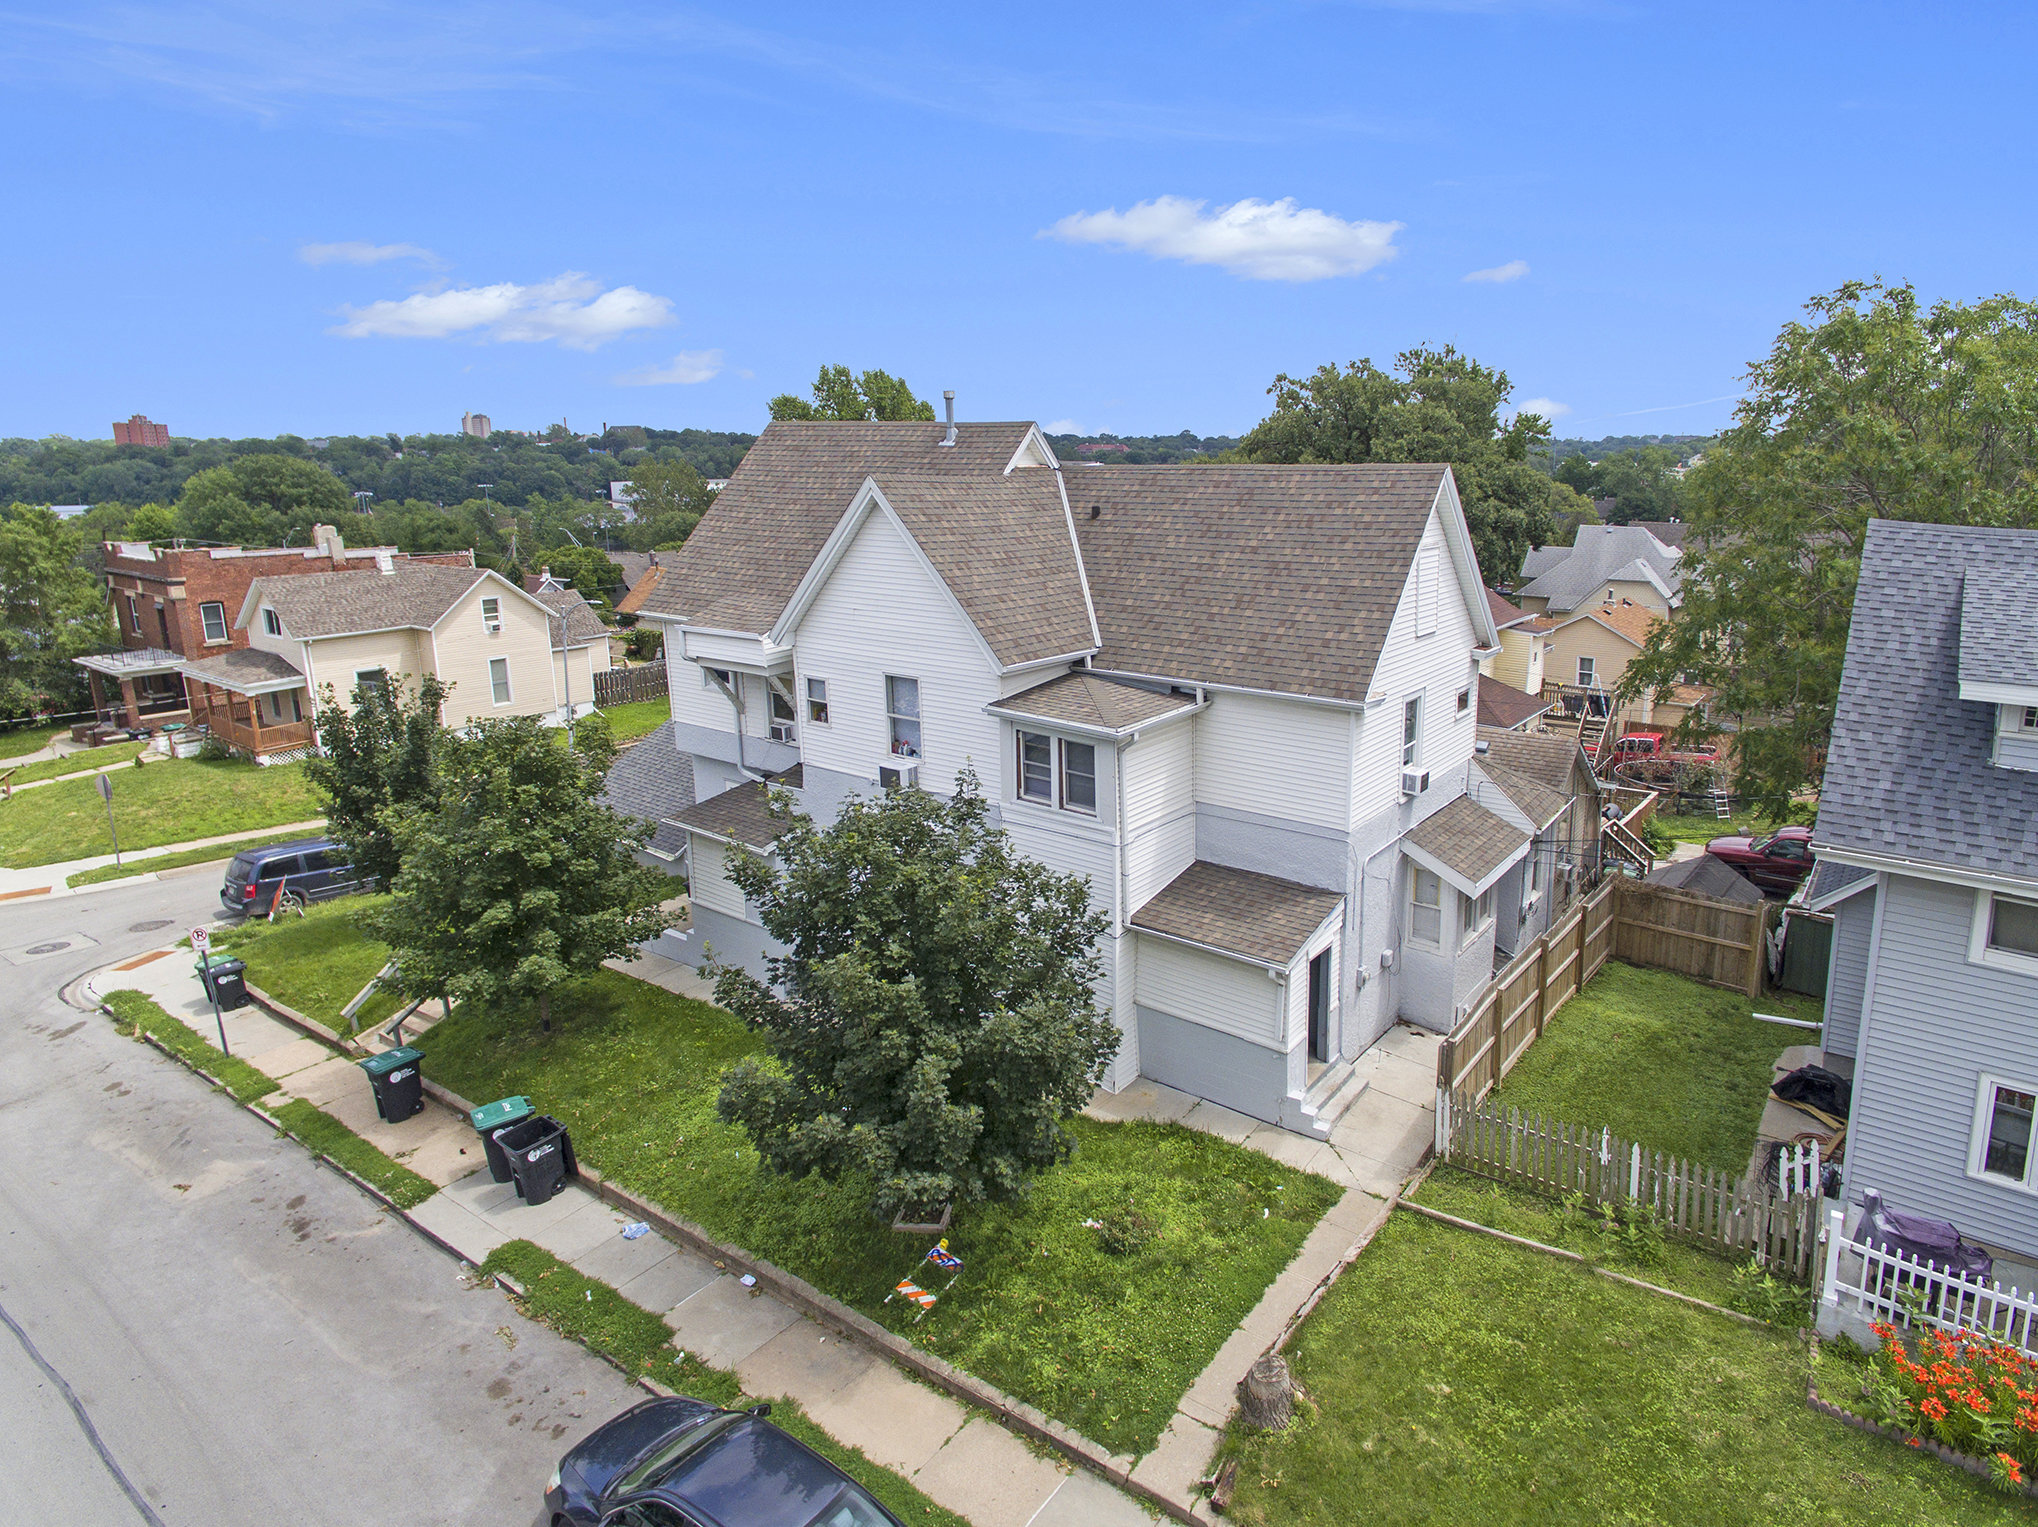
(218, 853)
(1462, 1380)
(1662, 1059)
(1703, 828)
(638, 718)
(1106, 1344)
(174, 801)
(28, 739)
(77, 763)
(315, 963)
(329, 1137)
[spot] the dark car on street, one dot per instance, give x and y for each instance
(1776, 863)
(685, 1463)
(306, 869)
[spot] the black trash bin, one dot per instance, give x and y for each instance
(540, 1157)
(226, 983)
(490, 1120)
(398, 1081)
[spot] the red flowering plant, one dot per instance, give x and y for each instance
(1964, 1389)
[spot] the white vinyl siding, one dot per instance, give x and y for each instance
(708, 879)
(1160, 809)
(1274, 758)
(1297, 1031)
(1428, 587)
(1228, 995)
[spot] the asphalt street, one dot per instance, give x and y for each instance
(251, 1338)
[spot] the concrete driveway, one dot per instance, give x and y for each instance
(252, 1341)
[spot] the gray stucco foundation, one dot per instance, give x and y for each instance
(1207, 1063)
(734, 942)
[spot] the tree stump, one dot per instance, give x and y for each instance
(1267, 1394)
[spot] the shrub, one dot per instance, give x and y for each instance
(1760, 1293)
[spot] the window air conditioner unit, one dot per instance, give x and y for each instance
(899, 776)
(782, 731)
(1413, 783)
(495, 628)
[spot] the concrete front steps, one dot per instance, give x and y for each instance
(1331, 1096)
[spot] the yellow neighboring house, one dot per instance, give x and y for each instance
(1519, 660)
(1587, 653)
(503, 651)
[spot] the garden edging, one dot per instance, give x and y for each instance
(1015, 1414)
(1959, 1460)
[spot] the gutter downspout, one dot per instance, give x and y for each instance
(734, 692)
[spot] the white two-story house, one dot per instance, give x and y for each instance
(1241, 700)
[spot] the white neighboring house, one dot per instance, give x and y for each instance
(1241, 700)
(505, 652)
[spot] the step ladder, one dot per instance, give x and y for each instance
(1591, 733)
(1722, 799)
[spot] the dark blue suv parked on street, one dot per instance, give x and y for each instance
(306, 870)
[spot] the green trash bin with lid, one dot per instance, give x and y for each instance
(398, 1082)
(491, 1117)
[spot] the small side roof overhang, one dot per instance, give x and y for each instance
(1260, 919)
(138, 664)
(1469, 846)
(1086, 702)
(249, 671)
(741, 816)
(1832, 883)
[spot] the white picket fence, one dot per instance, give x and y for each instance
(1864, 1284)
(1797, 1170)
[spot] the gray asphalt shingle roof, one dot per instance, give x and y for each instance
(1575, 576)
(1467, 839)
(1504, 706)
(582, 624)
(1998, 627)
(1706, 876)
(652, 780)
(248, 669)
(1280, 578)
(1830, 879)
(741, 815)
(1549, 761)
(333, 604)
(1261, 917)
(1086, 699)
(1908, 773)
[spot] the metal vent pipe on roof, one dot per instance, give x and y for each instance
(948, 398)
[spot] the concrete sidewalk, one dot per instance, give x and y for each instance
(48, 879)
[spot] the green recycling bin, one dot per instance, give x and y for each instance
(491, 1117)
(398, 1081)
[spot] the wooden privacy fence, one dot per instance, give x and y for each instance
(619, 686)
(1718, 942)
(1511, 1011)
(1707, 1207)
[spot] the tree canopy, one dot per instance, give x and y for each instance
(52, 609)
(937, 1026)
(837, 394)
(667, 499)
(375, 753)
(1640, 483)
(1436, 405)
(1876, 406)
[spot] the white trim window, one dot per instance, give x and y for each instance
(1426, 906)
(2005, 932)
(2027, 719)
(491, 616)
(817, 701)
(1036, 767)
(134, 613)
(1464, 701)
(2001, 1150)
(1079, 776)
(499, 679)
(1588, 672)
(376, 678)
(212, 616)
(781, 715)
(272, 622)
(710, 677)
(1411, 732)
(902, 709)
(1474, 914)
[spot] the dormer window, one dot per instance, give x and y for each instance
(272, 622)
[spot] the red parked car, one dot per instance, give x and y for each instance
(1776, 863)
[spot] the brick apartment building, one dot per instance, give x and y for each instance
(140, 430)
(175, 604)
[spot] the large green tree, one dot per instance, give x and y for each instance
(839, 394)
(514, 876)
(1642, 484)
(258, 500)
(937, 1026)
(1876, 406)
(374, 754)
(52, 609)
(1436, 405)
(667, 499)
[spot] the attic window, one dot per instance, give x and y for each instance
(491, 612)
(1428, 593)
(272, 622)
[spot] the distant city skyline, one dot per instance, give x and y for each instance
(378, 218)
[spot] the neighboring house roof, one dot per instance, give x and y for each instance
(1505, 611)
(1002, 546)
(1706, 876)
(134, 663)
(740, 565)
(741, 815)
(1908, 773)
(1549, 761)
(412, 594)
(1504, 706)
(1278, 578)
(1670, 532)
(247, 671)
(582, 625)
(1088, 700)
(1832, 883)
(640, 592)
(652, 780)
(1535, 800)
(1627, 620)
(1571, 576)
(1259, 917)
(1998, 628)
(632, 565)
(1466, 843)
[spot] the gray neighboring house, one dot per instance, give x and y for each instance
(1927, 843)
(1604, 564)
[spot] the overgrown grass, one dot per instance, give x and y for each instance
(1703, 826)
(1659, 1058)
(175, 801)
(638, 718)
(218, 853)
(1106, 1343)
(29, 739)
(329, 1137)
(315, 963)
(1456, 1379)
(590, 1312)
(132, 1011)
(77, 763)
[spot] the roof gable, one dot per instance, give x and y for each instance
(410, 595)
(1567, 577)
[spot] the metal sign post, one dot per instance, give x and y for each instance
(105, 784)
(201, 940)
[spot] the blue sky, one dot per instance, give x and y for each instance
(247, 219)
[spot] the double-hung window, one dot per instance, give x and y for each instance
(1036, 771)
(491, 613)
(1474, 913)
(134, 613)
(1411, 732)
(272, 622)
(212, 615)
(499, 680)
(2002, 1131)
(1586, 672)
(782, 729)
(1426, 912)
(902, 709)
(1078, 776)
(817, 701)
(1036, 768)
(371, 678)
(2005, 932)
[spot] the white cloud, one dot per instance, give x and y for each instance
(1513, 270)
(359, 252)
(1261, 241)
(1061, 427)
(1549, 408)
(571, 308)
(688, 367)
